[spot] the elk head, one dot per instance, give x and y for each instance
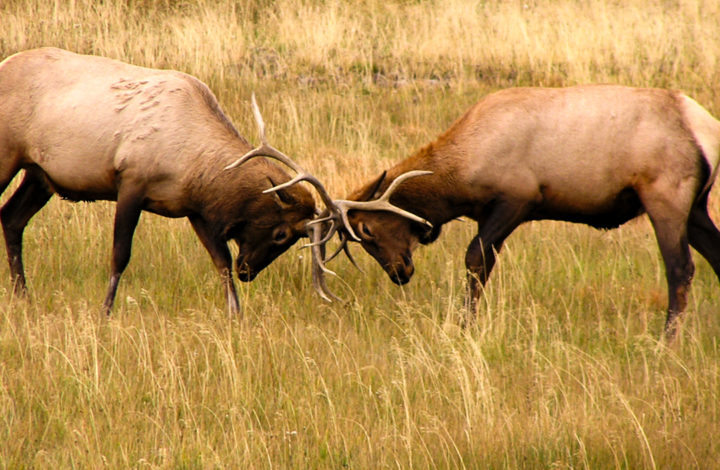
(386, 232)
(274, 223)
(264, 246)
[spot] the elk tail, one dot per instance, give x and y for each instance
(706, 132)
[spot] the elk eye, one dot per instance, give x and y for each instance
(365, 231)
(281, 235)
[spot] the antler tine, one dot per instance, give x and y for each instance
(340, 208)
(336, 252)
(382, 203)
(322, 219)
(318, 266)
(267, 150)
(258, 118)
(396, 182)
(343, 208)
(264, 148)
(346, 248)
(305, 176)
(333, 228)
(381, 206)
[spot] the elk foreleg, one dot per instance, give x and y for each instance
(28, 199)
(222, 259)
(503, 218)
(127, 215)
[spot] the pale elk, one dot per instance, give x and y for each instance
(90, 128)
(599, 155)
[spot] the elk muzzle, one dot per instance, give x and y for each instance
(401, 271)
(244, 271)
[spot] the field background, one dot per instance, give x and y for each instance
(564, 368)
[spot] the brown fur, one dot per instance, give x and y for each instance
(599, 155)
(92, 128)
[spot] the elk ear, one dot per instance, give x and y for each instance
(282, 197)
(373, 188)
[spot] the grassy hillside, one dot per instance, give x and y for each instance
(564, 367)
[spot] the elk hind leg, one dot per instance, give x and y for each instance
(26, 201)
(670, 223)
(704, 235)
(10, 158)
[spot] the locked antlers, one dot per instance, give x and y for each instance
(336, 212)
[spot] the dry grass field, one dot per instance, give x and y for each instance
(564, 368)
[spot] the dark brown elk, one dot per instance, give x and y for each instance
(90, 128)
(598, 155)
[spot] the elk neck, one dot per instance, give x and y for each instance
(209, 183)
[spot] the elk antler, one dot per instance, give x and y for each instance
(338, 216)
(343, 206)
(266, 150)
(318, 265)
(337, 209)
(380, 204)
(314, 229)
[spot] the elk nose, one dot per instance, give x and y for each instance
(244, 272)
(402, 271)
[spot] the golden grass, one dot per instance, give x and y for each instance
(563, 368)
